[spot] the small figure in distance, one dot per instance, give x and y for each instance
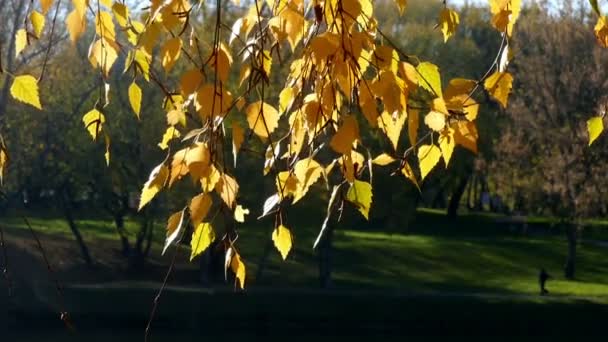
(543, 276)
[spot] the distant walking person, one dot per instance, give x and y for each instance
(543, 276)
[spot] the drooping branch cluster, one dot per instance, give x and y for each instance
(344, 74)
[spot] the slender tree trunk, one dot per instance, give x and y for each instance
(149, 238)
(67, 211)
(569, 268)
(457, 196)
(325, 259)
(119, 222)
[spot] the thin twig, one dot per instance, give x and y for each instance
(63, 313)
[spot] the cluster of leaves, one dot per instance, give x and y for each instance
(344, 74)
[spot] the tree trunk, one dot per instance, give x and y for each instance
(569, 268)
(325, 259)
(67, 211)
(119, 222)
(457, 196)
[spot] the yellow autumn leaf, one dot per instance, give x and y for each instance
(227, 188)
(190, 82)
(448, 21)
(202, 238)
(175, 117)
(121, 13)
(595, 126)
(93, 122)
(170, 134)
(238, 267)
(25, 89)
(239, 213)
(505, 14)
(104, 26)
(76, 25)
(45, 5)
(383, 160)
(392, 126)
(601, 31)
(286, 98)
(170, 53)
(20, 41)
(402, 4)
(412, 126)
(447, 144)
(175, 224)
(428, 157)
(435, 120)
(360, 194)
(135, 98)
(429, 78)
(465, 135)
(37, 20)
(156, 181)
(199, 207)
(347, 134)
(307, 172)
(407, 171)
(499, 86)
(263, 118)
(223, 62)
(281, 236)
(103, 53)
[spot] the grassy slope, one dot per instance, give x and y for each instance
(471, 255)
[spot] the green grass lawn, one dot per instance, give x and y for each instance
(471, 255)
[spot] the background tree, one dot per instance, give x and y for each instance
(542, 157)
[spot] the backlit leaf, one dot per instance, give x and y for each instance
(447, 143)
(239, 213)
(448, 21)
(595, 126)
(238, 267)
(601, 31)
(281, 236)
(383, 159)
(347, 134)
(135, 98)
(155, 183)
(202, 238)
(76, 25)
(175, 224)
(360, 194)
(45, 5)
(20, 41)
(429, 78)
(199, 207)
(428, 157)
(25, 89)
(170, 134)
(170, 53)
(499, 86)
(435, 120)
(93, 122)
(37, 20)
(263, 118)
